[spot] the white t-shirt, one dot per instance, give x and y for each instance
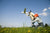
(38, 19)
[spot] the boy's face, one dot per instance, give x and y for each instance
(29, 12)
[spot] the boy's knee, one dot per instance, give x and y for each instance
(41, 24)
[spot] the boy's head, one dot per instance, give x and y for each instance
(30, 11)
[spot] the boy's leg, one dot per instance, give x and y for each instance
(41, 24)
(33, 24)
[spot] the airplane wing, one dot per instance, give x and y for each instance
(25, 10)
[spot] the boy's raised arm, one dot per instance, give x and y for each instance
(27, 13)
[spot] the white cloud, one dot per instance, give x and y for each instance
(45, 9)
(43, 14)
(48, 7)
(22, 12)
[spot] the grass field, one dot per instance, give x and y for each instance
(25, 30)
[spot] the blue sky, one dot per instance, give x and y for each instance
(11, 16)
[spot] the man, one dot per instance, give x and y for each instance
(34, 18)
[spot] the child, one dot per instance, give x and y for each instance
(34, 18)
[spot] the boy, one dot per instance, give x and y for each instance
(34, 18)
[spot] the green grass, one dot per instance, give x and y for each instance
(25, 30)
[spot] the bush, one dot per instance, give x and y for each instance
(0, 26)
(46, 25)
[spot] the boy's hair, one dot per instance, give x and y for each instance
(30, 11)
